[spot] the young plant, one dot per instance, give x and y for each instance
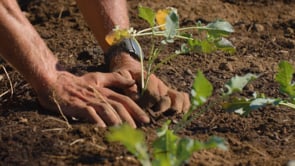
(168, 149)
(164, 25)
(244, 106)
(202, 89)
(231, 102)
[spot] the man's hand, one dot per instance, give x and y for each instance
(157, 94)
(88, 97)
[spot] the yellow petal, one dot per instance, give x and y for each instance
(161, 17)
(116, 36)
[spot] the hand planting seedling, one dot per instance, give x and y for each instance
(171, 150)
(164, 25)
(168, 149)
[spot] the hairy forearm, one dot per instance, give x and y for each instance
(103, 15)
(22, 47)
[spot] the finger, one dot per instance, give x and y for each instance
(134, 110)
(164, 104)
(107, 113)
(177, 100)
(98, 109)
(92, 116)
(186, 102)
(80, 110)
(156, 87)
(132, 92)
(123, 113)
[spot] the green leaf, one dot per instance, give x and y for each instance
(132, 139)
(171, 150)
(244, 106)
(165, 146)
(172, 23)
(202, 89)
(284, 78)
(185, 149)
(201, 46)
(147, 14)
(207, 47)
(219, 28)
(215, 142)
(225, 45)
(237, 83)
(237, 105)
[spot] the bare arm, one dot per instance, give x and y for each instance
(103, 15)
(21, 45)
(86, 97)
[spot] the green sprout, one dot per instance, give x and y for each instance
(168, 149)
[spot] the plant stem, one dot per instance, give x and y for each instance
(159, 33)
(291, 105)
(150, 29)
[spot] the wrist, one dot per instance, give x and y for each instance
(45, 76)
(122, 60)
(123, 51)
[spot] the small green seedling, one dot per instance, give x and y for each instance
(167, 150)
(244, 106)
(164, 25)
(231, 102)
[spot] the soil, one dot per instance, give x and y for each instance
(264, 35)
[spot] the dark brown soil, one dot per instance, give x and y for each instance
(264, 35)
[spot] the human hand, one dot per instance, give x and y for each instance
(88, 97)
(157, 94)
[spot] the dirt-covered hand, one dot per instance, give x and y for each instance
(88, 97)
(157, 94)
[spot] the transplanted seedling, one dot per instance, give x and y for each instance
(164, 27)
(168, 149)
(244, 106)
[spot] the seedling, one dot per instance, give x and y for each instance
(232, 102)
(164, 25)
(244, 106)
(167, 150)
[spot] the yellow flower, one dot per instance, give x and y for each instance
(161, 17)
(116, 36)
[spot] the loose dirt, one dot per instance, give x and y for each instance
(29, 135)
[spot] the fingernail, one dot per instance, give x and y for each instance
(145, 118)
(101, 125)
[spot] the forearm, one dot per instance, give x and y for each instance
(22, 47)
(103, 15)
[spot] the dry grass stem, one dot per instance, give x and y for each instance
(54, 129)
(99, 96)
(4, 93)
(60, 111)
(77, 141)
(10, 82)
(60, 12)
(56, 119)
